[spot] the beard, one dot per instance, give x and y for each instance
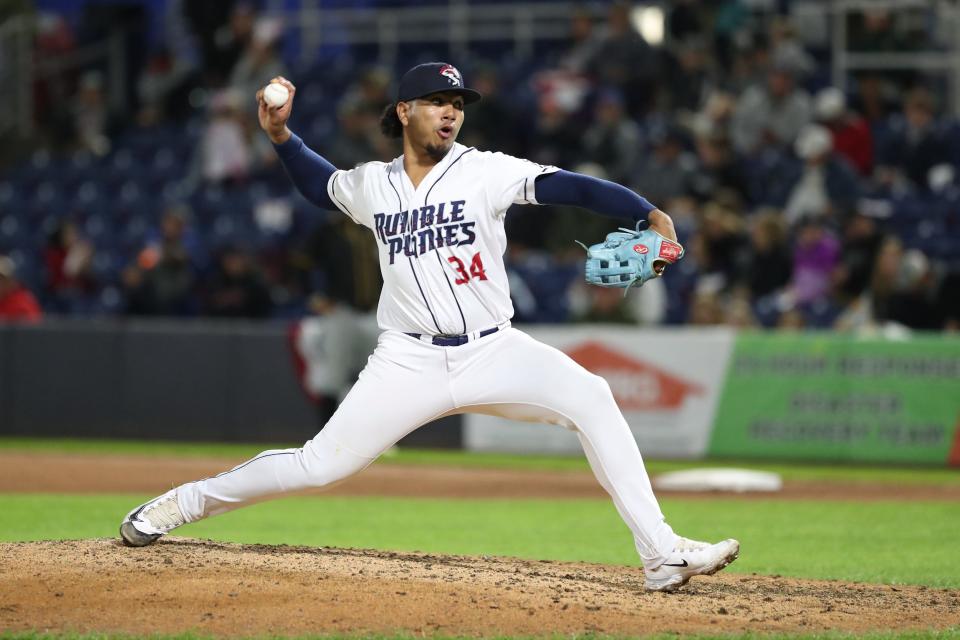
(438, 152)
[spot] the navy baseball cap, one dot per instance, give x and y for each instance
(433, 77)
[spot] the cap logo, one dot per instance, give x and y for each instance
(450, 72)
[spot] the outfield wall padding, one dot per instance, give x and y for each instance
(166, 380)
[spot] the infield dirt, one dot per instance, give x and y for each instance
(218, 589)
(110, 473)
(210, 588)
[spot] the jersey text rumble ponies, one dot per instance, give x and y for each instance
(415, 232)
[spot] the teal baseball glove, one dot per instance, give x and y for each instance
(629, 257)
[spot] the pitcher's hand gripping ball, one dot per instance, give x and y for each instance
(629, 257)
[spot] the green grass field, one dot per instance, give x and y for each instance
(893, 542)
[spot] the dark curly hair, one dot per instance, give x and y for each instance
(390, 124)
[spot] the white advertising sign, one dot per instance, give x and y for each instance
(667, 383)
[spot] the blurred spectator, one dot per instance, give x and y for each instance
(815, 256)
(772, 113)
(902, 293)
(163, 88)
(913, 302)
(751, 61)
(715, 118)
(258, 64)
(229, 151)
(168, 288)
(371, 92)
(17, 304)
(613, 140)
(791, 320)
(738, 312)
(625, 61)
(950, 301)
(668, 170)
(175, 230)
(914, 144)
(556, 140)
(236, 289)
(493, 121)
(787, 50)
(875, 98)
(874, 30)
(687, 81)
(608, 306)
(52, 91)
(722, 234)
(825, 185)
(768, 266)
(719, 169)
(340, 261)
(861, 243)
(163, 280)
(645, 305)
(355, 138)
(362, 104)
(851, 134)
(729, 22)
(91, 117)
(706, 308)
(584, 43)
(68, 260)
(224, 30)
(684, 20)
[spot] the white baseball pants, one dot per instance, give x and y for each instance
(408, 383)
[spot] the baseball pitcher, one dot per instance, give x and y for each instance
(447, 347)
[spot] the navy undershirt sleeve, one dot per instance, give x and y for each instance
(309, 171)
(602, 196)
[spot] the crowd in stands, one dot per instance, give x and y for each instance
(800, 205)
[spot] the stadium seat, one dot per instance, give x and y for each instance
(13, 233)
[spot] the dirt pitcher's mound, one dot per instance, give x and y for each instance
(220, 589)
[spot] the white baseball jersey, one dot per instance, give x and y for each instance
(441, 244)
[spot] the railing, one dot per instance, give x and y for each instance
(22, 67)
(16, 54)
(945, 60)
(457, 24)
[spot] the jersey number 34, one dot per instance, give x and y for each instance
(476, 269)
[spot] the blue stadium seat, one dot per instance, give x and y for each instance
(110, 301)
(133, 233)
(13, 233)
(12, 199)
(28, 268)
(106, 265)
(99, 229)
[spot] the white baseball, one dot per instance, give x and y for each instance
(275, 94)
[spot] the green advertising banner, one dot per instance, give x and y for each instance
(831, 397)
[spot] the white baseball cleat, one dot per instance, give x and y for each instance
(151, 520)
(690, 558)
